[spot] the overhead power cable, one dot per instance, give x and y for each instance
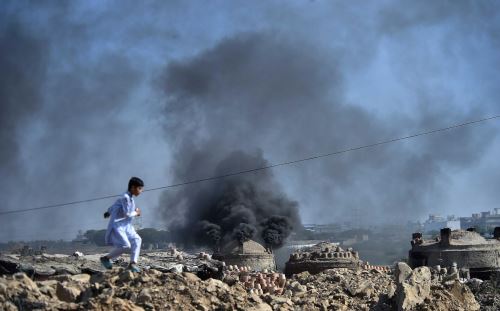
(194, 181)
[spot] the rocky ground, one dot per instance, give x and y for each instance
(44, 265)
(168, 285)
(123, 290)
(487, 293)
(374, 290)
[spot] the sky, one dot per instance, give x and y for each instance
(94, 92)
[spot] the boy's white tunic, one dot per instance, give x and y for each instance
(120, 232)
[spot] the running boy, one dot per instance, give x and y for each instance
(120, 233)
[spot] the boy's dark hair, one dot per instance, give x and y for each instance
(135, 182)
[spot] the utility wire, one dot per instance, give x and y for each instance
(194, 181)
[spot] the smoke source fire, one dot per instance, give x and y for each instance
(242, 207)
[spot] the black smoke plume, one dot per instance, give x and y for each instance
(244, 232)
(79, 114)
(59, 118)
(208, 233)
(243, 207)
(276, 228)
(268, 91)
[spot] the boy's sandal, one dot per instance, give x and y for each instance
(134, 268)
(106, 262)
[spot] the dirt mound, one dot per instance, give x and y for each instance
(338, 289)
(335, 289)
(123, 290)
(487, 293)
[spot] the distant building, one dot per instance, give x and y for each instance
(483, 220)
(325, 228)
(355, 239)
(295, 245)
(80, 237)
(331, 227)
(437, 222)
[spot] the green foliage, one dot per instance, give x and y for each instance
(96, 236)
(151, 235)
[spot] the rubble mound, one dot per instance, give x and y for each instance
(123, 290)
(345, 289)
(487, 293)
(423, 289)
(334, 289)
(42, 266)
(340, 289)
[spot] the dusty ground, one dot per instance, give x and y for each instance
(487, 293)
(166, 284)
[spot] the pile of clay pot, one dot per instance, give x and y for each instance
(255, 282)
(385, 269)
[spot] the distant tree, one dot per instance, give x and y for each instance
(151, 235)
(96, 236)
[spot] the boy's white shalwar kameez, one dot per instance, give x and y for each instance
(120, 233)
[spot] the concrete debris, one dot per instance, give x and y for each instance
(487, 293)
(78, 254)
(242, 288)
(427, 288)
(67, 293)
(42, 266)
(119, 289)
(413, 289)
(402, 272)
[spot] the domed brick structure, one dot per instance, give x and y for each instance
(467, 249)
(248, 253)
(322, 256)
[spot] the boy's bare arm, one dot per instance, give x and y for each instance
(138, 211)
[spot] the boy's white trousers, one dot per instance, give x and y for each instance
(124, 238)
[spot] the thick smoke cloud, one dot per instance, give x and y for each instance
(266, 91)
(23, 62)
(244, 232)
(62, 121)
(83, 108)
